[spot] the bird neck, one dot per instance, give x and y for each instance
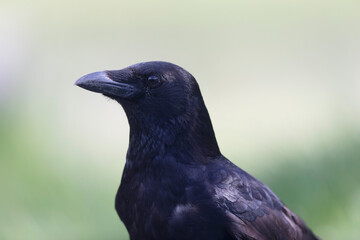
(189, 138)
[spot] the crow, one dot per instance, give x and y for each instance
(176, 184)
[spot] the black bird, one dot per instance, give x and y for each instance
(176, 184)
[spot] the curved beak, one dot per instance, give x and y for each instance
(101, 82)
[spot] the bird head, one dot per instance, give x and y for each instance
(161, 100)
(158, 90)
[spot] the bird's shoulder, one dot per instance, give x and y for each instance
(252, 208)
(238, 192)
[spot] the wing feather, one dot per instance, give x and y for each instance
(254, 211)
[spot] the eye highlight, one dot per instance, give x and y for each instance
(154, 81)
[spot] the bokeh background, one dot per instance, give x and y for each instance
(281, 80)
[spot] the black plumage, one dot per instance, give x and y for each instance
(176, 184)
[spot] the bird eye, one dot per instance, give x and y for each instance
(153, 81)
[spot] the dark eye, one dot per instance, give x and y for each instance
(153, 81)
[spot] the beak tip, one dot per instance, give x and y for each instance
(80, 81)
(89, 78)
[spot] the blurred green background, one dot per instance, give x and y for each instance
(281, 80)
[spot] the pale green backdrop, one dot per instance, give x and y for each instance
(281, 80)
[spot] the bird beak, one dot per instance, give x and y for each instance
(101, 82)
